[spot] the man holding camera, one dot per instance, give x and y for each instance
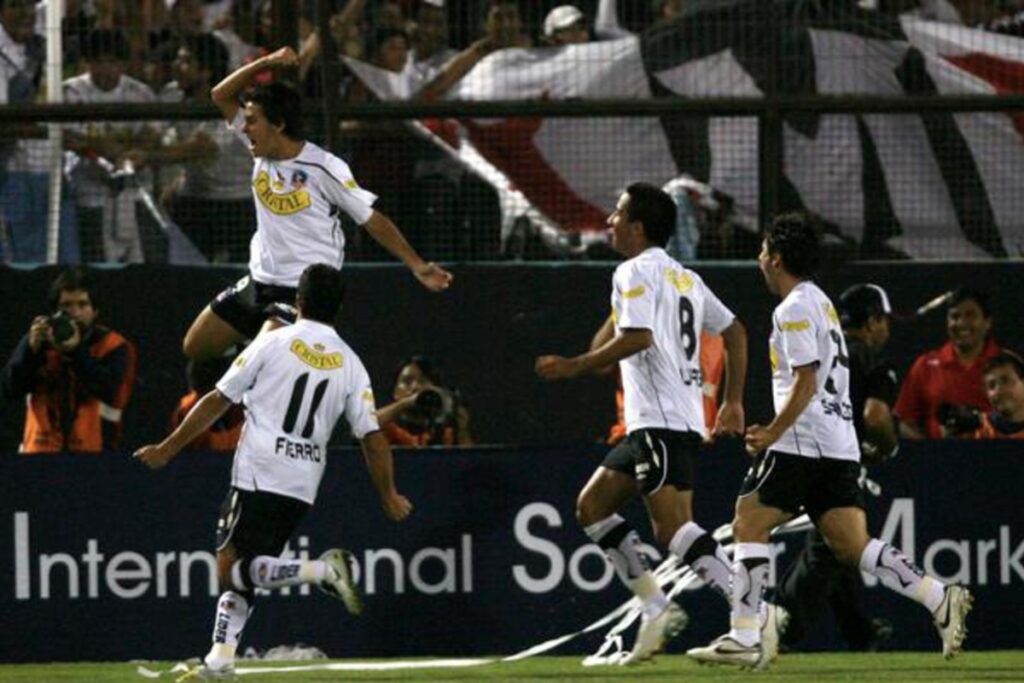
(77, 375)
(945, 386)
(425, 412)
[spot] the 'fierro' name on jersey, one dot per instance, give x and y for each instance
(295, 382)
(662, 385)
(806, 331)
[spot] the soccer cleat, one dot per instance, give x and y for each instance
(207, 673)
(775, 622)
(340, 585)
(653, 634)
(951, 618)
(726, 650)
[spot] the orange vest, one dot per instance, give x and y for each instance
(988, 431)
(222, 436)
(399, 436)
(43, 431)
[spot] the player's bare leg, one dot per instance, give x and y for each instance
(210, 336)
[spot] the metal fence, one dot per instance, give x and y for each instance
(505, 131)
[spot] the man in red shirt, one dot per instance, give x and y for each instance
(947, 381)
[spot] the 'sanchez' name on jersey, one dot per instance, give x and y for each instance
(805, 331)
(295, 382)
(663, 385)
(297, 211)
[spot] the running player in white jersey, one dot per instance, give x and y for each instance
(299, 190)
(658, 311)
(808, 459)
(295, 382)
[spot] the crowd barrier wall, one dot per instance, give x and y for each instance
(105, 560)
(484, 333)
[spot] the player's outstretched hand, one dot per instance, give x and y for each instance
(730, 420)
(556, 367)
(153, 456)
(286, 56)
(396, 506)
(759, 438)
(434, 277)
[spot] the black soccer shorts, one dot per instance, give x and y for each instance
(656, 457)
(258, 522)
(244, 304)
(794, 484)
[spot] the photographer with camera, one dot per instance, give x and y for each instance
(1004, 384)
(77, 375)
(945, 386)
(425, 412)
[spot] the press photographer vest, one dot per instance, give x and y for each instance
(58, 405)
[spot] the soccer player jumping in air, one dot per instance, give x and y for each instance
(299, 190)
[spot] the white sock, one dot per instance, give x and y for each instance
(275, 572)
(695, 546)
(751, 562)
(232, 613)
(898, 572)
(621, 545)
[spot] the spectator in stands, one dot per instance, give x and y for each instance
(425, 412)
(25, 158)
(108, 153)
(1004, 384)
(430, 47)
(223, 434)
(944, 386)
(212, 199)
(77, 375)
(565, 25)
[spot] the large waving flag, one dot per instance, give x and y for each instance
(931, 185)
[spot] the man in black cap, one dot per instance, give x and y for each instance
(816, 578)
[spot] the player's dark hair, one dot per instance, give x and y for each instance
(962, 294)
(795, 239)
(320, 293)
(652, 207)
(105, 42)
(1003, 359)
(281, 104)
(76, 279)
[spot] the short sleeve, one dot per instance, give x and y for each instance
(342, 190)
(360, 407)
(243, 371)
(910, 405)
(635, 294)
(798, 335)
(717, 316)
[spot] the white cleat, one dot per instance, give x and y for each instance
(775, 622)
(951, 619)
(654, 633)
(341, 585)
(726, 650)
(208, 673)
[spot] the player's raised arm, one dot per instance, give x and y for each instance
(225, 94)
(380, 463)
(387, 234)
(209, 409)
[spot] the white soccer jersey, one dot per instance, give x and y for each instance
(297, 204)
(663, 385)
(805, 330)
(295, 382)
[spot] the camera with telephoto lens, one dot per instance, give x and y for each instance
(959, 419)
(62, 327)
(435, 405)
